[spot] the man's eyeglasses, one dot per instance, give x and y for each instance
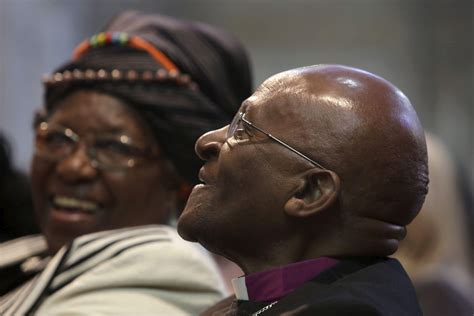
(107, 151)
(240, 118)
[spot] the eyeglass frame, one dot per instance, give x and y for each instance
(241, 118)
(91, 152)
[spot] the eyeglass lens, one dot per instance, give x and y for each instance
(108, 151)
(234, 125)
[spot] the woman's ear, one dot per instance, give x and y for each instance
(318, 190)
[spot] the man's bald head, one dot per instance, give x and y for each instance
(360, 126)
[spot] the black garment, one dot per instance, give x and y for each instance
(17, 216)
(16, 207)
(352, 287)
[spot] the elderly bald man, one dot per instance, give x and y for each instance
(309, 190)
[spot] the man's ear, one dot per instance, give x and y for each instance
(318, 190)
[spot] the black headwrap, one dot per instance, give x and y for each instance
(178, 115)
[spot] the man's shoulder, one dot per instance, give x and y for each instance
(358, 287)
(373, 286)
(369, 271)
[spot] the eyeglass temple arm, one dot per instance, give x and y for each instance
(282, 143)
(296, 151)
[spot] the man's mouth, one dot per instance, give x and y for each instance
(72, 204)
(203, 178)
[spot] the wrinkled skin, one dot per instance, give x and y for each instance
(135, 196)
(261, 205)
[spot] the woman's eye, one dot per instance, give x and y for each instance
(57, 139)
(114, 146)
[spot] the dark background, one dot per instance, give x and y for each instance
(423, 47)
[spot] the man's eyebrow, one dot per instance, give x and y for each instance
(249, 129)
(246, 113)
(245, 105)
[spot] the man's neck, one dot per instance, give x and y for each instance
(281, 254)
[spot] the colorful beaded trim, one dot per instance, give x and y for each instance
(170, 72)
(160, 75)
(123, 39)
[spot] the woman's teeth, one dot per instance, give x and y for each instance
(70, 203)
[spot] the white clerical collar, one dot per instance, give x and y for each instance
(240, 288)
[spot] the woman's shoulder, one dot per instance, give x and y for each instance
(153, 254)
(139, 263)
(154, 243)
(16, 250)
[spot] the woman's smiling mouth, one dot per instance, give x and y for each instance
(75, 207)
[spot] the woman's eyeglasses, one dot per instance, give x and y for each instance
(107, 151)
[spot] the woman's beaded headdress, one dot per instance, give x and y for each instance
(169, 72)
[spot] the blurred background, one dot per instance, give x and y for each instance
(423, 47)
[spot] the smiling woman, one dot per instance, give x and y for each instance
(113, 165)
(85, 186)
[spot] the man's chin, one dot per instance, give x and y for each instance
(187, 225)
(191, 220)
(184, 233)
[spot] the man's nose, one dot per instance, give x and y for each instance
(78, 166)
(208, 146)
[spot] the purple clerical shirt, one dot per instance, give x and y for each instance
(273, 284)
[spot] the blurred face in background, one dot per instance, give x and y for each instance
(97, 167)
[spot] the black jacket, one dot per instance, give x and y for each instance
(352, 287)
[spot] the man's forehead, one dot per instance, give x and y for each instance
(275, 102)
(302, 94)
(257, 105)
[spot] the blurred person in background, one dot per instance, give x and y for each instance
(16, 207)
(436, 252)
(113, 163)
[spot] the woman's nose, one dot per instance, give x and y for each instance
(208, 146)
(78, 166)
